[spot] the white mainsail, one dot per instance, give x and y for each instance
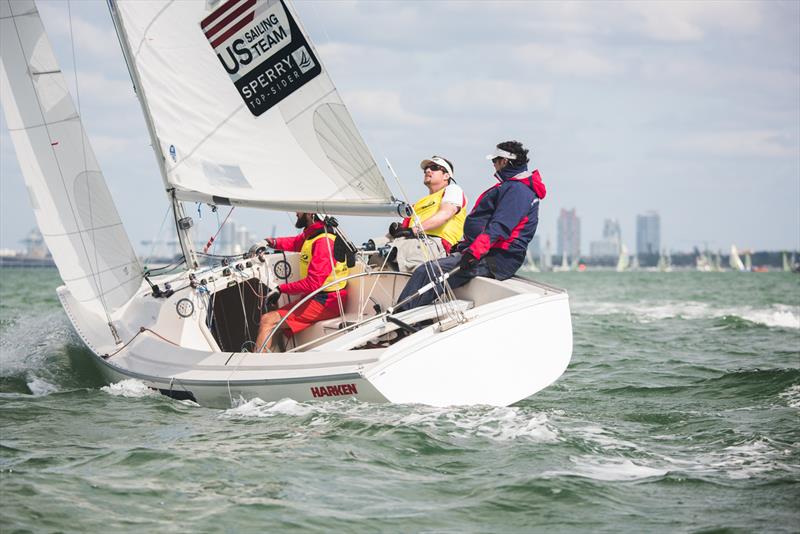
(735, 261)
(622, 262)
(243, 111)
(68, 193)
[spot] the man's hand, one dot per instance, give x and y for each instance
(467, 261)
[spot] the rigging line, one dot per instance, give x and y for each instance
(244, 311)
(142, 329)
(157, 236)
(211, 241)
(58, 163)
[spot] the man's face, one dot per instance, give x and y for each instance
(302, 220)
(499, 163)
(435, 177)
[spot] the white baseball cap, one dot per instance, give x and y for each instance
(500, 153)
(436, 160)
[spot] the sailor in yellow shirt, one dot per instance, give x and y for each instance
(441, 213)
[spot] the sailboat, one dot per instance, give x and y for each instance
(530, 262)
(258, 125)
(622, 262)
(564, 267)
(735, 261)
(664, 262)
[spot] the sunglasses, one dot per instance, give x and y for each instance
(497, 159)
(433, 167)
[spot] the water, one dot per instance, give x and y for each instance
(679, 412)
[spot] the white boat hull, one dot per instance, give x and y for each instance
(516, 340)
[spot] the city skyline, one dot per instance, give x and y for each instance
(687, 109)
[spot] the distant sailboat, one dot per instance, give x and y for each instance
(664, 262)
(717, 266)
(748, 261)
(735, 261)
(530, 262)
(622, 262)
(787, 267)
(702, 263)
(564, 264)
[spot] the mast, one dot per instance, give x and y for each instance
(183, 223)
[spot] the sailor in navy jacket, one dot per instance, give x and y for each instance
(504, 220)
(496, 232)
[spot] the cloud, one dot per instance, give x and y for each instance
(92, 41)
(691, 21)
(566, 60)
(496, 96)
(759, 143)
(382, 107)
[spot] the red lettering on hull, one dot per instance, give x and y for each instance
(334, 391)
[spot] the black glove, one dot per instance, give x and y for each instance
(394, 228)
(467, 261)
(271, 301)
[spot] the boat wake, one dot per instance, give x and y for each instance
(32, 360)
(497, 424)
(775, 316)
(130, 388)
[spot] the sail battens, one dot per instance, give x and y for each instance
(313, 104)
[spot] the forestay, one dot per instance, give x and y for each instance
(68, 193)
(243, 110)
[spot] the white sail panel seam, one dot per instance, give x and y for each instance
(74, 118)
(147, 28)
(85, 230)
(108, 270)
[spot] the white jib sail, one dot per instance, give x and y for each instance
(243, 110)
(68, 193)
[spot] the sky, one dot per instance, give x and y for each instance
(691, 109)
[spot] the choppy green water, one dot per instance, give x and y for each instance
(680, 412)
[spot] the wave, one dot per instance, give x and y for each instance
(749, 458)
(497, 424)
(259, 408)
(500, 424)
(608, 470)
(774, 316)
(791, 396)
(130, 388)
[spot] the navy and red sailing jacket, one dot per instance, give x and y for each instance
(503, 222)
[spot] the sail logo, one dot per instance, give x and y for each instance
(303, 59)
(248, 37)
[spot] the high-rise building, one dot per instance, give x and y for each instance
(609, 246)
(534, 247)
(648, 234)
(569, 234)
